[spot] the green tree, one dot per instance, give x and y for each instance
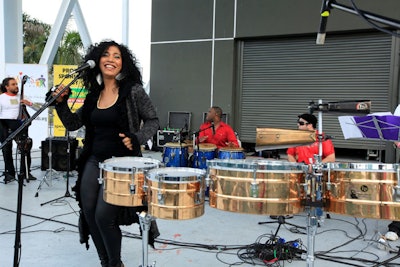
(70, 50)
(36, 34)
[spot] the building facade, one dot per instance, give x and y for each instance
(258, 61)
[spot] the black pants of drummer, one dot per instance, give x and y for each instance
(100, 216)
(8, 157)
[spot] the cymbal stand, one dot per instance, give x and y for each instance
(145, 222)
(48, 176)
(313, 189)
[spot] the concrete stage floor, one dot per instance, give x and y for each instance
(49, 235)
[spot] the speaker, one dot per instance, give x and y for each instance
(59, 147)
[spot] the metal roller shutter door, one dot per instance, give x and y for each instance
(279, 77)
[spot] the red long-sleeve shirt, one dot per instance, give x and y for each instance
(223, 134)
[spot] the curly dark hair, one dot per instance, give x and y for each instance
(130, 72)
(5, 83)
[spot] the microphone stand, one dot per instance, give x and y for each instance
(196, 135)
(25, 124)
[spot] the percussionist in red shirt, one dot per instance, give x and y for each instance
(214, 131)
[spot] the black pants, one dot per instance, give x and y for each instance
(101, 217)
(8, 126)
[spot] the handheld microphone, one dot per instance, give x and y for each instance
(325, 11)
(213, 127)
(90, 64)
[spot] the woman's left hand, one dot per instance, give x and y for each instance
(126, 140)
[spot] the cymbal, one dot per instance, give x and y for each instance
(275, 138)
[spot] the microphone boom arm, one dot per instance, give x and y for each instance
(327, 5)
(37, 113)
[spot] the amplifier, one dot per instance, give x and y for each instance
(168, 136)
(59, 152)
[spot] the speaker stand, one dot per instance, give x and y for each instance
(48, 176)
(67, 193)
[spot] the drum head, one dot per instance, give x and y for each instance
(232, 149)
(129, 164)
(175, 145)
(207, 147)
(172, 175)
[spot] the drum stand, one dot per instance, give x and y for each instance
(145, 222)
(313, 189)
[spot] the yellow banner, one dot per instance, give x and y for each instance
(75, 101)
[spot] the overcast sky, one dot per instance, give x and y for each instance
(104, 21)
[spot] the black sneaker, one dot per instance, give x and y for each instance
(31, 177)
(8, 178)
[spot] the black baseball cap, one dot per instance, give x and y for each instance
(309, 118)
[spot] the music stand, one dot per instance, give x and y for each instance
(382, 127)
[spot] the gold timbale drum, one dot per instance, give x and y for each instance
(364, 190)
(256, 186)
(123, 180)
(175, 193)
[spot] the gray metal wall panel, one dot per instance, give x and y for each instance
(181, 79)
(181, 20)
(224, 18)
(281, 76)
(257, 18)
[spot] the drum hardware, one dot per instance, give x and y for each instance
(132, 189)
(346, 106)
(100, 179)
(254, 185)
(314, 199)
(160, 196)
(208, 179)
(254, 189)
(208, 182)
(396, 193)
(132, 186)
(145, 223)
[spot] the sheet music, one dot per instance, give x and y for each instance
(349, 127)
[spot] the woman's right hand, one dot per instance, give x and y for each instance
(57, 91)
